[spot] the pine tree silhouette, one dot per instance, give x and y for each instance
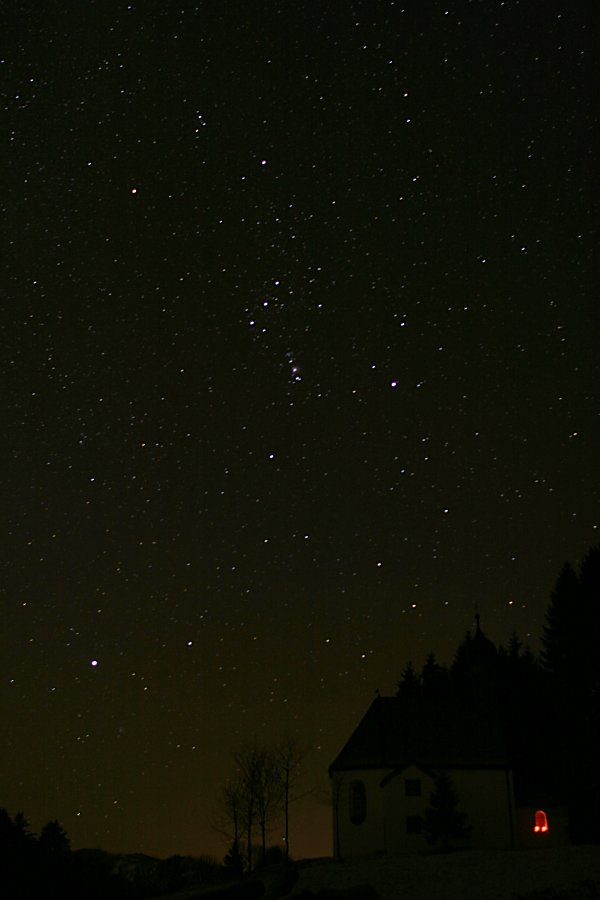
(443, 823)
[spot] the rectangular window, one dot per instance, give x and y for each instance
(414, 825)
(412, 787)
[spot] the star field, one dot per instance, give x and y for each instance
(299, 368)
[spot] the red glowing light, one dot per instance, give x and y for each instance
(134, 190)
(541, 822)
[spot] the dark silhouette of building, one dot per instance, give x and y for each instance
(384, 777)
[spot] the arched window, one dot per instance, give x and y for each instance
(541, 822)
(358, 802)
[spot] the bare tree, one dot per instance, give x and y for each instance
(289, 756)
(245, 760)
(268, 792)
(260, 790)
(229, 817)
(266, 781)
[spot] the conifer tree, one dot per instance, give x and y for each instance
(410, 682)
(589, 580)
(572, 662)
(53, 841)
(434, 677)
(561, 654)
(443, 822)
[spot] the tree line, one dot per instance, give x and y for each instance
(46, 866)
(29, 862)
(265, 780)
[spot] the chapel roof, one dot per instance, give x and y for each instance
(436, 732)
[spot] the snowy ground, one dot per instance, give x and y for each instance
(468, 875)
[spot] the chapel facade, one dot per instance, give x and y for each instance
(383, 778)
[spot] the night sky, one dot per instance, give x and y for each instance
(299, 369)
